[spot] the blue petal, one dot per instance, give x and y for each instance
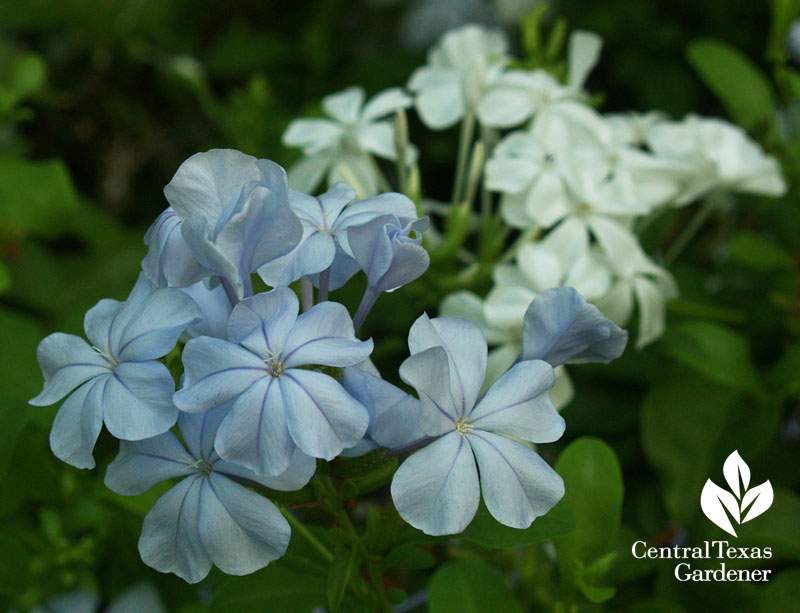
(255, 433)
(263, 322)
(241, 531)
(137, 400)
(560, 326)
(154, 331)
(77, 425)
(325, 335)
(66, 361)
(323, 419)
(207, 182)
(142, 464)
(518, 485)
(215, 308)
(216, 371)
(466, 348)
(299, 472)
(97, 322)
(394, 415)
(76, 601)
(315, 252)
(137, 598)
(170, 541)
(200, 429)
(169, 261)
(343, 268)
(368, 209)
(429, 373)
(519, 404)
(436, 488)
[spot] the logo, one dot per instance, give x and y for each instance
(740, 504)
(720, 560)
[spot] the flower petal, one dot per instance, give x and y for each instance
(344, 105)
(466, 347)
(255, 433)
(169, 261)
(323, 418)
(313, 254)
(77, 425)
(429, 373)
(561, 326)
(436, 489)
(66, 361)
(518, 485)
(301, 468)
(137, 400)
(216, 371)
(262, 323)
(324, 335)
(519, 404)
(155, 330)
(240, 530)
(170, 541)
(388, 101)
(142, 464)
(200, 429)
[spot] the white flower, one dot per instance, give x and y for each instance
(342, 146)
(639, 279)
(719, 155)
(459, 71)
(518, 95)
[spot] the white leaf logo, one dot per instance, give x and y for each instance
(720, 506)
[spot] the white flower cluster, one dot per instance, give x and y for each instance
(575, 182)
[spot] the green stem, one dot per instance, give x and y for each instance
(489, 138)
(464, 142)
(376, 579)
(300, 528)
(689, 232)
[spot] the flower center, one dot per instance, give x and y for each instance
(202, 466)
(463, 426)
(108, 358)
(274, 366)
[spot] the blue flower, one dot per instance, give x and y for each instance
(118, 378)
(389, 250)
(278, 403)
(206, 518)
(393, 414)
(234, 217)
(437, 489)
(560, 326)
(324, 244)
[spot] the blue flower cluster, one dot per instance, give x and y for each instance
(267, 389)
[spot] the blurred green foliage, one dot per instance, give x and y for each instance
(99, 103)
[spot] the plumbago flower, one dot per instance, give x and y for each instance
(342, 145)
(389, 250)
(207, 517)
(119, 380)
(437, 488)
(229, 215)
(278, 403)
(459, 71)
(324, 246)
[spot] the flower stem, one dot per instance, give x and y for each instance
(464, 142)
(324, 283)
(367, 302)
(300, 528)
(307, 291)
(689, 232)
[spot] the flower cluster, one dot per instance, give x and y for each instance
(266, 389)
(577, 184)
(257, 401)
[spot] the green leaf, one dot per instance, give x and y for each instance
(28, 75)
(272, 589)
(36, 197)
(410, 557)
(593, 492)
(345, 566)
(715, 351)
(470, 586)
(754, 251)
(735, 80)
